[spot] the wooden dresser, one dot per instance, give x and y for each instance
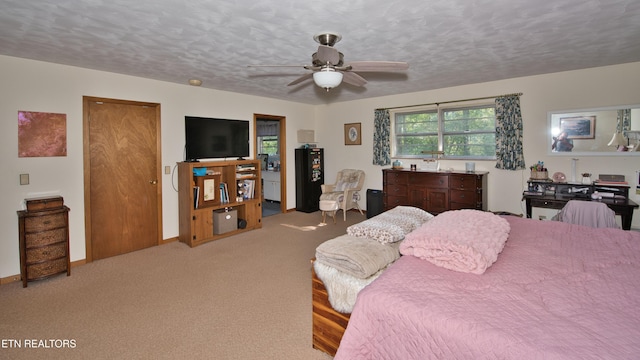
(434, 191)
(44, 239)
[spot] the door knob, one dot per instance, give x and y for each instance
(153, 182)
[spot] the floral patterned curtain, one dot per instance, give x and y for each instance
(509, 152)
(382, 138)
(624, 120)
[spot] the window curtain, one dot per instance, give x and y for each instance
(509, 152)
(382, 138)
(267, 128)
(624, 121)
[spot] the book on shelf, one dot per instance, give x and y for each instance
(249, 188)
(196, 196)
(245, 167)
(224, 193)
(612, 183)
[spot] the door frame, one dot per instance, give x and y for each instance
(282, 146)
(86, 143)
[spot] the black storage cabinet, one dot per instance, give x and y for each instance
(375, 203)
(309, 177)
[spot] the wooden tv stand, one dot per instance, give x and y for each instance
(200, 219)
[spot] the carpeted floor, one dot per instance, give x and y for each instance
(243, 297)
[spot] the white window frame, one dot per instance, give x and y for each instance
(440, 109)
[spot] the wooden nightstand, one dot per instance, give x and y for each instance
(44, 239)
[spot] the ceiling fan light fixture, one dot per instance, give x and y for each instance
(327, 78)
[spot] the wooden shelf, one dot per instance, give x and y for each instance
(196, 215)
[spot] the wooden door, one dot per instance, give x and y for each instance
(122, 179)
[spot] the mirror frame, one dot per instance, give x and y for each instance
(549, 134)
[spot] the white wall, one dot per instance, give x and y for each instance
(605, 86)
(38, 86)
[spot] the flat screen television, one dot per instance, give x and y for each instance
(211, 138)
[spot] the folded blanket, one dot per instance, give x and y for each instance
(358, 257)
(390, 226)
(342, 288)
(461, 240)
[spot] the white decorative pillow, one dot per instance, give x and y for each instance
(390, 226)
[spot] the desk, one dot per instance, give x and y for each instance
(622, 207)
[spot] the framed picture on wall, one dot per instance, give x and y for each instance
(579, 127)
(352, 134)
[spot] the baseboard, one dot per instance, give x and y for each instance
(17, 277)
(9, 279)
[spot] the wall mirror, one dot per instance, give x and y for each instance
(604, 131)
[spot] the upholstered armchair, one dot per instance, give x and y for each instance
(345, 191)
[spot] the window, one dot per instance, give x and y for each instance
(268, 145)
(460, 132)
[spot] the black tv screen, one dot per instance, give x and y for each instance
(210, 138)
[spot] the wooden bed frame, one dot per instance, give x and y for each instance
(328, 325)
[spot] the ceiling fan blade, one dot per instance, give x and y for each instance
(374, 66)
(327, 54)
(301, 79)
(256, 66)
(353, 78)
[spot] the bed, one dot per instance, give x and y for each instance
(556, 291)
(346, 264)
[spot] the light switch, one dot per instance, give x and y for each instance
(24, 179)
(167, 169)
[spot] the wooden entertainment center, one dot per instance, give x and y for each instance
(222, 199)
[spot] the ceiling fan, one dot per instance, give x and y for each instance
(329, 69)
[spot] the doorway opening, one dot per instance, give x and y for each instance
(269, 146)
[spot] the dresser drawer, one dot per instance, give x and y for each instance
(462, 182)
(396, 190)
(430, 180)
(393, 201)
(36, 271)
(464, 197)
(44, 222)
(549, 204)
(45, 237)
(45, 253)
(395, 177)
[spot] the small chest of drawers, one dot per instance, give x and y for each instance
(44, 239)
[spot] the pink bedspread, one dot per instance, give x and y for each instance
(557, 291)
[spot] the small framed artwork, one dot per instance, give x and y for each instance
(352, 134)
(579, 127)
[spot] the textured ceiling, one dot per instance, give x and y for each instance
(445, 42)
